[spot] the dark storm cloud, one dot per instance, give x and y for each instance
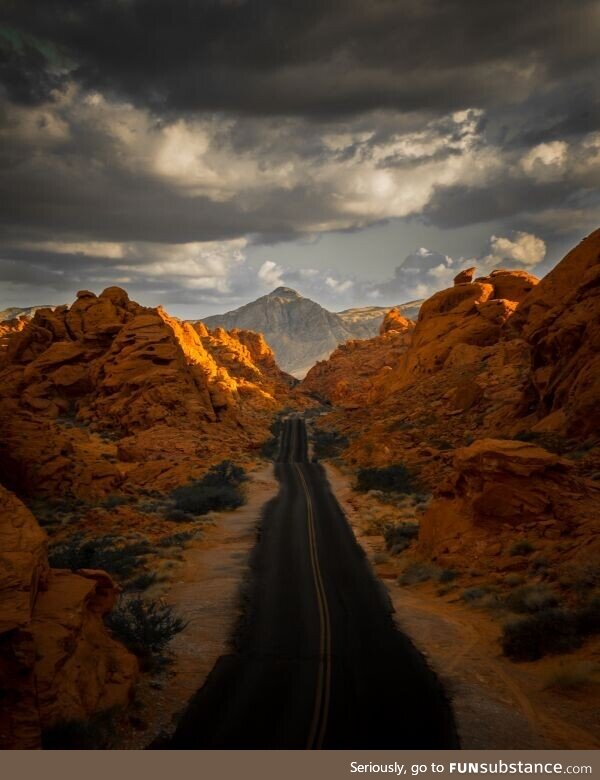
(317, 58)
(135, 132)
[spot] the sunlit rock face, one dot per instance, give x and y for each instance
(92, 392)
(500, 355)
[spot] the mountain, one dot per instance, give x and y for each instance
(372, 316)
(14, 311)
(300, 331)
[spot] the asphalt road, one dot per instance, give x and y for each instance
(318, 661)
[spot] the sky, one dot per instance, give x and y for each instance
(200, 154)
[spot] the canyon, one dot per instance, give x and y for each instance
(467, 427)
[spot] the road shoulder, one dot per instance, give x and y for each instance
(497, 704)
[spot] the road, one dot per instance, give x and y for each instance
(318, 662)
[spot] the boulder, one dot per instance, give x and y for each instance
(465, 277)
(57, 660)
(499, 485)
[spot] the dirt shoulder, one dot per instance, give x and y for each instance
(498, 704)
(204, 591)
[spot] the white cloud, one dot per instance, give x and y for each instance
(270, 274)
(547, 161)
(524, 250)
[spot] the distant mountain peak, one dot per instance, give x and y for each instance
(299, 330)
(284, 292)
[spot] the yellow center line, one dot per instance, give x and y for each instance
(323, 692)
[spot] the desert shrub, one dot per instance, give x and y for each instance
(271, 447)
(144, 626)
(178, 516)
(219, 488)
(474, 594)
(390, 479)
(531, 598)
(522, 547)
(584, 578)
(327, 444)
(548, 631)
(441, 444)
(417, 572)
(398, 537)
(539, 565)
(447, 575)
(142, 582)
(176, 540)
(111, 502)
(225, 473)
(94, 734)
(588, 618)
(103, 552)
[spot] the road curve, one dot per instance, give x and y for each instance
(318, 661)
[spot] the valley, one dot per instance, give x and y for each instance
(205, 599)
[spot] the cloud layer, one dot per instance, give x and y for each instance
(151, 144)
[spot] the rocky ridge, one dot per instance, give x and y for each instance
(498, 370)
(107, 395)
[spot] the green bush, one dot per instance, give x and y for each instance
(327, 444)
(97, 733)
(549, 631)
(531, 598)
(220, 488)
(553, 630)
(447, 575)
(144, 626)
(142, 582)
(474, 594)
(111, 502)
(390, 479)
(103, 552)
(398, 537)
(176, 540)
(418, 572)
(588, 618)
(179, 516)
(521, 548)
(271, 447)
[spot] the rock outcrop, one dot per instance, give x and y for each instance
(500, 490)
(57, 660)
(560, 320)
(496, 356)
(90, 393)
(350, 375)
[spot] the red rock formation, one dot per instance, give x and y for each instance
(77, 379)
(57, 661)
(502, 355)
(499, 487)
(348, 377)
(560, 320)
(395, 321)
(465, 277)
(7, 329)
